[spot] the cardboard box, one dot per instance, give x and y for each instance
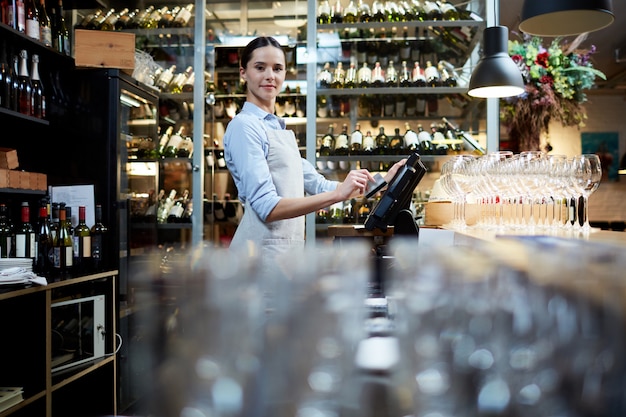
(14, 179)
(103, 49)
(8, 158)
(4, 178)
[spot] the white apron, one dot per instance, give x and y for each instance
(278, 237)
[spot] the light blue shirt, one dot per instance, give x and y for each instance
(246, 148)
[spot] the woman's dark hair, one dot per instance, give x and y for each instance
(256, 43)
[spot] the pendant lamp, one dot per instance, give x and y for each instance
(496, 75)
(565, 17)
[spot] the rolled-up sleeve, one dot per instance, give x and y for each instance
(245, 150)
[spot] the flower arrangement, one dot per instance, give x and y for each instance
(555, 82)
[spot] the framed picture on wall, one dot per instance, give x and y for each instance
(606, 146)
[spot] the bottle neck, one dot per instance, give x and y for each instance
(35, 70)
(23, 69)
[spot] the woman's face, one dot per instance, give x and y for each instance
(264, 75)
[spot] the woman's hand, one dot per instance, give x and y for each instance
(394, 170)
(354, 184)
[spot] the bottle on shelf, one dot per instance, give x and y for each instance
(356, 140)
(417, 75)
(425, 141)
(327, 144)
(111, 20)
(60, 32)
(165, 205)
(167, 20)
(336, 12)
(432, 10)
(323, 12)
(448, 11)
(45, 244)
(336, 212)
(68, 218)
(186, 148)
(364, 12)
(342, 145)
(369, 145)
(87, 18)
(382, 142)
(98, 234)
(63, 248)
(183, 17)
(6, 79)
(433, 78)
(405, 79)
(165, 137)
(350, 13)
(97, 19)
(378, 76)
(151, 20)
(32, 20)
(176, 84)
(45, 25)
(391, 75)
(173, 144)
(379, 13)
(24, 241)
(411, 142)
(165, 78)
(351, 76)
(24, 88)
(38, 97)
(348, 212)
(126, 20)
(140, 16)
(396, 143)
(19, 15)
(325, 77)
(177, 209)
(339, 76)
(81, 244)
(54, 221)
(364, 76)
(6, 232)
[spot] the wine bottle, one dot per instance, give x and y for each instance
(356, 140)
(20, 15)
(54, 221)
(425, 141)
(396, 144)
(405, 79)
(391, 75)
(339, 76)
(336, 212)
(323, 12)
(110, 21)
(432, 10)
(432, 75)
(140, 16)
(81, 244)
(378, 11)
(327, 144)
(368, 144)
(98, 234)
(325, 77)
(350, 13)
(152, 20)
(348, 212)
(382, 142)
(183, 17)
(336, 12)
(60, 33)
(173, 144)
(342, 142)
(448, 11)
(165, 137)
(411, 142)
(176, 84)
(25, 243)
(165, 78)
(125, 21)
(185, 149)
(177, 209)
(6, 78)
(167, 19)
(24, 88)
(38, 97)
(32, 19)
(364, 13)
(88, 18)
(165, 206)
(378, 76)
(45, 25)
(6, 232)
(364, 76)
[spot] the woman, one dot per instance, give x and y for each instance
(266, 165)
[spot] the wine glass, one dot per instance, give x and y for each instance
(591, 175)
(457, 182)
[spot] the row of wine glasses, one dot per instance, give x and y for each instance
(527, 190)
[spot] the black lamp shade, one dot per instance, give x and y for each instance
(565, 17)
(496, 75)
